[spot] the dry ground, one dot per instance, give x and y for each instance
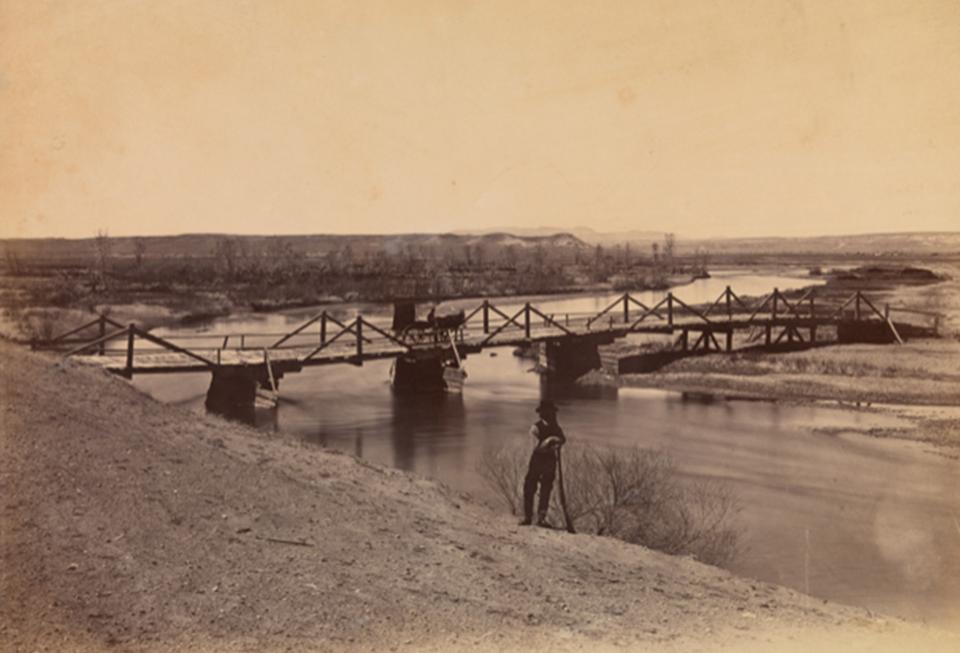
(126, 524)
(922, 373)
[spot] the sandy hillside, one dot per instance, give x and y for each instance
(131, 525)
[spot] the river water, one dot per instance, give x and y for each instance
(844, 517)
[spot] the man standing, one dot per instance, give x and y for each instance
(543, 463)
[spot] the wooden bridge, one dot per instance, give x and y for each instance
(325, 340)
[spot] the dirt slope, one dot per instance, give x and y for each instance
(131, 525)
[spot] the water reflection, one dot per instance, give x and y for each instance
(559, 389)
(423, 426)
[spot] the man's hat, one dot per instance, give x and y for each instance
(546, 406)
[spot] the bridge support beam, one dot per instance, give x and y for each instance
(232, 393)
(569, 358)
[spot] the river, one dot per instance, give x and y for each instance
(844, 517)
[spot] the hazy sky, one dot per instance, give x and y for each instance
(704, 118)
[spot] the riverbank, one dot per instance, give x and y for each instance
(918, 380)
(126, 524)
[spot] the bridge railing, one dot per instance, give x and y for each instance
(131, 332)
(71, 337)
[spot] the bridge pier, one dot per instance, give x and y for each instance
(572, 357)
(232, 393)
(850, 331)
(420, 372)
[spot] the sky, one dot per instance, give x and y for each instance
(705, 118)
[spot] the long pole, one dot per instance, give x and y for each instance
(563, 494)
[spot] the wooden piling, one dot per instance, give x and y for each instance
(359, 328)
(128, 371)
(102, 323)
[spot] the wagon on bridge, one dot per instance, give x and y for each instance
(434, 329)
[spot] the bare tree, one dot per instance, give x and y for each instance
(139, 249)
(702, 259)
(669, 242)
(14, 266)
(503, 469)
(226, 254)
(102, 245)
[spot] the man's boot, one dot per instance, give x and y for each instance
(542, 520)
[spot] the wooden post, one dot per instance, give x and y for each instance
(486, 316)
(670, 309)
(218, 356)
(103, 332)
(776, 294)
(729, 292)
(729, 339)
(128, 372)
(626, 308)
(323, 328)
(359, 325)
(766, 335)
(684, 337)
(526, 320)
(243, 341)
(813, 311)
(886, 311)
(856, 313)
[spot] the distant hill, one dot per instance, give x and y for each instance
(946, 242)
(585, 234)
(579, 239)
(943, 242)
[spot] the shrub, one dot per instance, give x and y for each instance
(635, 495)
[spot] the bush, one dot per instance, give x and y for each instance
(40, 324)
(634, 495)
